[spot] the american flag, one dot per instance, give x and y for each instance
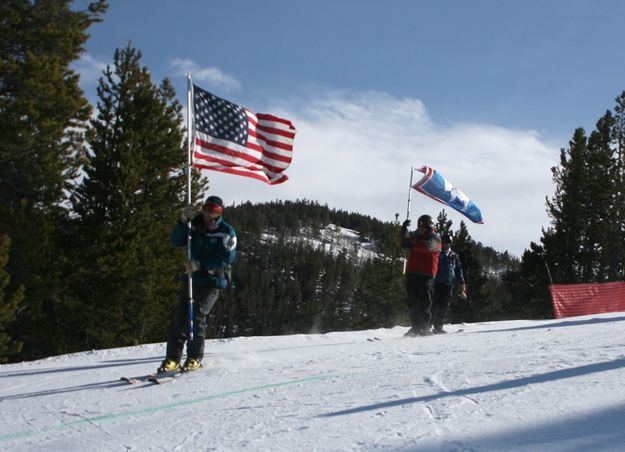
(232, 139)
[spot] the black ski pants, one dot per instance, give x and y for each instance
(440, 305)
(204, 298)
(419, 292)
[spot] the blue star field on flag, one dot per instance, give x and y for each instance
(220, 118)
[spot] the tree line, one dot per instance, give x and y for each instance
(298, 288)
(585, 240)
(87, 202)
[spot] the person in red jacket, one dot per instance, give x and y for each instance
(424, 246)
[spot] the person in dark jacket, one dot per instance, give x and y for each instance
(424, 246)
(213, 250)
(448, 275)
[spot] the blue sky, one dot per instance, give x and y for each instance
(486, 92)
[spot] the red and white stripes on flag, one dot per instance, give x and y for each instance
(232, 139)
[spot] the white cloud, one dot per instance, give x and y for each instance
(212, 76)
(354, 152)
(90, 68)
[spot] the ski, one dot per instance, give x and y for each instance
(156, 378)
(168, 377)
(165, 377)
(135, 380)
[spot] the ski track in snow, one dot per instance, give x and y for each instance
(516, 385)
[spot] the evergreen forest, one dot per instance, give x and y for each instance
(89, 195)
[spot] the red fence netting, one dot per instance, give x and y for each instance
(570, 300)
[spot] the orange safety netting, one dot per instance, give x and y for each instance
(571, 300)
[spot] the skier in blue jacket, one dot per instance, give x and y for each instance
(213, 250)
(448, 275)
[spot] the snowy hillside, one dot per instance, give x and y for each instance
(334, 239)
(554, 385)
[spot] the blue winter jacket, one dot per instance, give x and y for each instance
(214, 250)
(449, 269)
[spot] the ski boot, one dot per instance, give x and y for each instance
(191, 364)
(168, 365)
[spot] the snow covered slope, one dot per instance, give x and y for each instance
(554, 385)
(333, 239)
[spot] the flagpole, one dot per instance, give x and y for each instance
(409, 193)
(189, 200)
(408, 209)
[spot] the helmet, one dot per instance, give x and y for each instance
(425, 221)
(213, 204)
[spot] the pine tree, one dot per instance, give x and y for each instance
(616, 252)
(466, 248)
(565, 241)
(443, 224)
(585, 239)
(8, 306)
(42, 110)
(527, 286)
(128, 202)
(602, 243)
(380, 296)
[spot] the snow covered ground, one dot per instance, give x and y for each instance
(554, 385)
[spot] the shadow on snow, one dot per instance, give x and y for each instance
(519, 382)
(112, 363)
(564, 323)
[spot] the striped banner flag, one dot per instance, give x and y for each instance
(434, 185)
(233, 139)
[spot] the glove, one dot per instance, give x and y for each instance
(462, 291)
(191, 266)
(188, 213)
(405, 224)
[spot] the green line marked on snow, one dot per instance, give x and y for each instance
(155, 409)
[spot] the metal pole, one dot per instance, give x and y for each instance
(189, 200)
(547, 267)
(408, 209)
(409, 193)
